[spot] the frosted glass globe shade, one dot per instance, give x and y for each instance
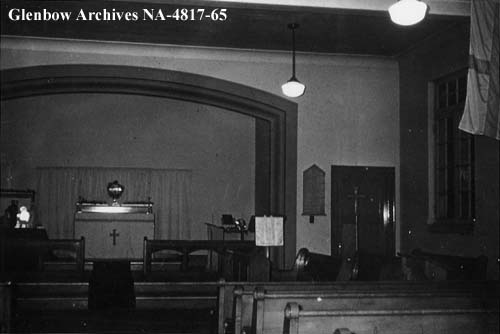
(407, 12)
(293, 88)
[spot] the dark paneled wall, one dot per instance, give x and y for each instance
(441, 55)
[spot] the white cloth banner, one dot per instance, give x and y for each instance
(269, 231)
(482, 109)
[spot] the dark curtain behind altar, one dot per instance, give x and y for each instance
(59, 189)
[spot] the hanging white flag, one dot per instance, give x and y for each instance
(482, 109)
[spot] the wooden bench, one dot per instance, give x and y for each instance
(397, 320)
(236, 299)
(454, 267)
(243, 295)
(46, 301)
(6, 304)
(268, 305)
(39, 306)
(40, 255)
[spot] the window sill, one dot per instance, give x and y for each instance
(451, 226)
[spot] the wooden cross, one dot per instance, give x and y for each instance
(114, 235)
(357, 196)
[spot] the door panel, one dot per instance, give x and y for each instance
(375, 208)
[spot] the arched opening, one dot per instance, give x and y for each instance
(275, 119)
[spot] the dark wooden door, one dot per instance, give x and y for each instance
(375, 211)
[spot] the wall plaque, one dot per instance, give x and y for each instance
(314, 193)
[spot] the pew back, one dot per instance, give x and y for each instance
(268, 306)
(71, 299)
(438, 320)
(6, 304)
(38, 253)
(242, 297)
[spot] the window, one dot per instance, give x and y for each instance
(454, 204)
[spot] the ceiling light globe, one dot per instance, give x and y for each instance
(293, 88)
(407, 12)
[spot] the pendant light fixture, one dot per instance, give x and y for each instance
(407, 12)
(293, 87)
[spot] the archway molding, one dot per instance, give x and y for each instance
(276, 119)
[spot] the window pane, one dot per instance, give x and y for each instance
(462, 89)
(464, 152)
(441, 207)
(441, 156)
(454, 152)
(449, 130)
(452, 93)
(442, 95)
(464, 204)
(465, 176)
(441, 181)
(441, 131)
(450, 182)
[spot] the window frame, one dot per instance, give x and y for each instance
(452, 181)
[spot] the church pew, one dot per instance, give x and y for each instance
(39, 306)
(149, 295)
(454, 267)
(243, 299)
(242, 295)
(6, 304)
(60, 296)
(30, 258)
(396, 320)
(268, 305)
(237, 299)
(37, 302)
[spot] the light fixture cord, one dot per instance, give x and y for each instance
(293, 52)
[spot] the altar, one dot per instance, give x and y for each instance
(114, 232)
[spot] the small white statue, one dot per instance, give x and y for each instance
(23, 218)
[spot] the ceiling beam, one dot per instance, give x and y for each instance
(436, 7)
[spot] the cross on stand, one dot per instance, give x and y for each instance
(114, 235)
(355, 266)
(356, 196)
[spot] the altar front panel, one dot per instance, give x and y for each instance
(113, 235)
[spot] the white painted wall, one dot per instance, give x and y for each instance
(348, 116)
